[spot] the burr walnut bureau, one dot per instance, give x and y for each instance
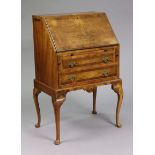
(74, 51)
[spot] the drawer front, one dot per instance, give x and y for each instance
(102, 73)
(91, 57)
(104, 58)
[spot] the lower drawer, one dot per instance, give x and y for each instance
(102, 73)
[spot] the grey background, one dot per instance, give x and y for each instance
(81, 132)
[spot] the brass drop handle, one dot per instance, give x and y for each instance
(72, 64)
(105, 73)
(72, 77)
(106, 59)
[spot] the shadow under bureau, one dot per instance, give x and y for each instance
(74, 51)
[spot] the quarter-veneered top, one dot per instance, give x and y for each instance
(80, 31)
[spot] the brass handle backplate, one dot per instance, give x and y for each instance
(72, 77)
(105, 73)
(106, 59)
(72, 64)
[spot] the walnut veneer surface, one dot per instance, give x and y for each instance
(74, 51)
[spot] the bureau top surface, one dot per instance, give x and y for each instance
(79, 30)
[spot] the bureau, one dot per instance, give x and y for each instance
(74, 51)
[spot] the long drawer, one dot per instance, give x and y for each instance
(71, 60)
(100, 73)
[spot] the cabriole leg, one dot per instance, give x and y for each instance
(36, 92)
(117, 87)
(57, 102)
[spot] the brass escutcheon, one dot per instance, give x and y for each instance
(72, 64)
(105, 73)
(106, 59)
(72, 77)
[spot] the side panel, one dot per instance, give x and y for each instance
(45, 57)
